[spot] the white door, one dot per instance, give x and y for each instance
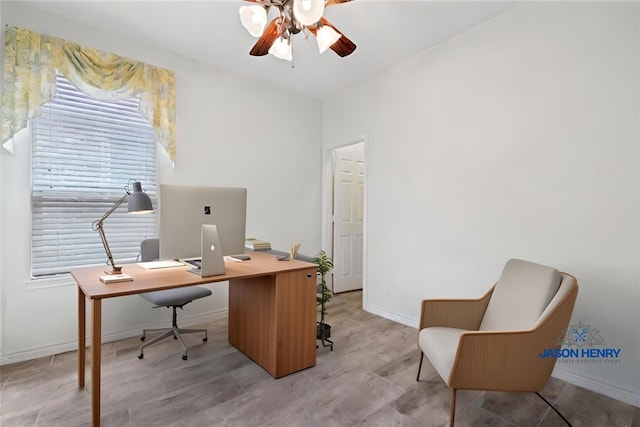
(348, 217)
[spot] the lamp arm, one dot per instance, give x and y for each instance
(98, 226)
(115, 206)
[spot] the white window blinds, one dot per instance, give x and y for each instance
(84, 152)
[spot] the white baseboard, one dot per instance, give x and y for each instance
(404, 320)
(50, 350)
(598, 386)
(23, 356)
(594, 384)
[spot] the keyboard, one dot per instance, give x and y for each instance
(197, 262)
(152, 265)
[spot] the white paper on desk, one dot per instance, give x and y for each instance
(152, 265)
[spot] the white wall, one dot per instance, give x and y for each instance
(518, 138)
(215, 146)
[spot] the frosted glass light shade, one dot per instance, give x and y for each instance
(281, 48)
(326, 36)
(308, 12)
(253, 18)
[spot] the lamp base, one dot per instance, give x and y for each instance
(114, 270)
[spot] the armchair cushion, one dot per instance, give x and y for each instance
(440, 345)
(520, 296)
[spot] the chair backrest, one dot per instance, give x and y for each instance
(567, 284)
(520, 296)
(150, 250)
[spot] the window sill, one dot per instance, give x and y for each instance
(61, 280)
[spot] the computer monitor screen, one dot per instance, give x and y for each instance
(183, 210)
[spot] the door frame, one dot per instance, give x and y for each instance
(327, 200)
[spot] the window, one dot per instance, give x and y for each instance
(84, 152)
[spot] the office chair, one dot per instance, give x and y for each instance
(494, 342)
(174, 298)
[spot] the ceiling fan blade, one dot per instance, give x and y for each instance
(343, 46)
(334, 2)
(271, 33)
(269, 3)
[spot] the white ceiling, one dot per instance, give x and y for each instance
(210, 31)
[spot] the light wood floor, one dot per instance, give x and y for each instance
(368, 380)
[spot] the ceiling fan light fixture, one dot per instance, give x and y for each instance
(326, 37)
(308, 12)
(254, 19)
(281, 49)
(293, 17)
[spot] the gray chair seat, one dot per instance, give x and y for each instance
(177, 297)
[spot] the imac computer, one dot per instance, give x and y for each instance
(183, 211)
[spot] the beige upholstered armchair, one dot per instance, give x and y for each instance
(495, 342)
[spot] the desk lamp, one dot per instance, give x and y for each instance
(139, 202)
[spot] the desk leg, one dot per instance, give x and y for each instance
(81, 337)
(96, 342)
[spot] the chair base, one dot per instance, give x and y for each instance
(168, 332)
(554, 409)
(453, 399)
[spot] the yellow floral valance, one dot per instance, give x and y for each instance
(30, 64)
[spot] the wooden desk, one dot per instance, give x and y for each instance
(272, 311)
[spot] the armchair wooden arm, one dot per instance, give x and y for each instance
(454, 313)
(501, 361)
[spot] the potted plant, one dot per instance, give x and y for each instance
(325, 265)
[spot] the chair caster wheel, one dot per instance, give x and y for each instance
(184, 357)
(204, 339)
(140, 356)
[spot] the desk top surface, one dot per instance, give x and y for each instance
(261, 264)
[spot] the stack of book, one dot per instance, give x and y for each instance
(256, 244)
(114, 278)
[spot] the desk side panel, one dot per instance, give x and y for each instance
(252, 319)
(295, 321)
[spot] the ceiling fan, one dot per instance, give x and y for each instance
(294, 16)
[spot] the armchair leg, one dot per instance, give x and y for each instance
(452, 415)
(420, 365)
(554, 409)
